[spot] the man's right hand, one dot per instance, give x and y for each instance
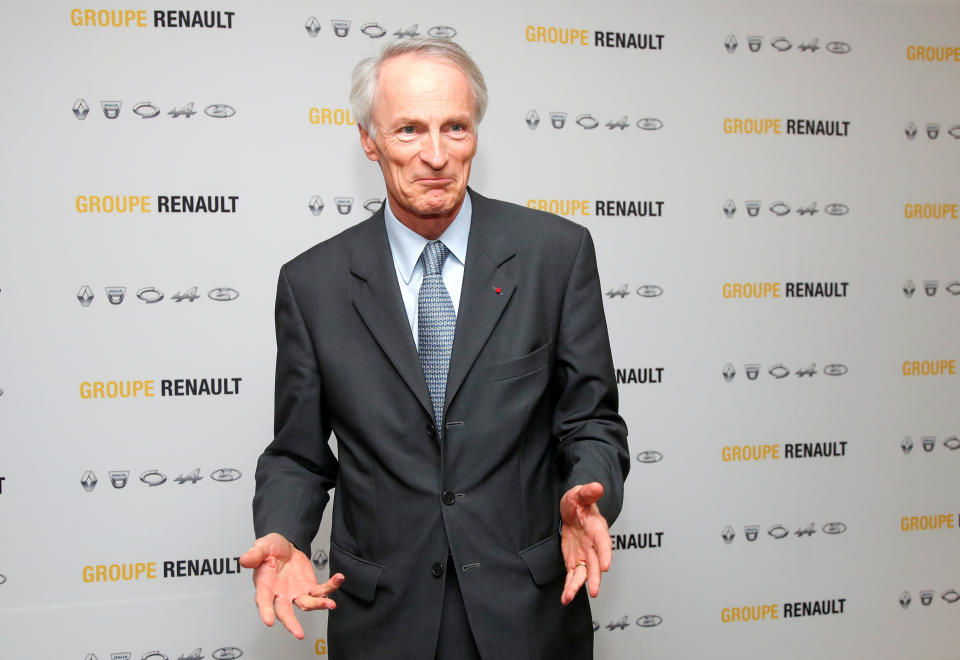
(282, 576)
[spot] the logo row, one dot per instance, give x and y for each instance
(152, 295)
(344, 205)
(222, 653)
(645, 621)
(782, 45)
(588, 122)
(950, 596)
(779, 370)
(930, 288)
(341, 28)
(928, 442)
(644, 291)
(777, 532)
(148, 110)
(119, 478)
(932, 129)
(781, 208)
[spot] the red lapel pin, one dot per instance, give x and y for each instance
(496, 290)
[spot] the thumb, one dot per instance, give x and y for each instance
(252, 557)
(589, 493)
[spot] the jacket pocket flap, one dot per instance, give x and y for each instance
(360, 575)
(522, 365)
(544, 559)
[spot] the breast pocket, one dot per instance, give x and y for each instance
(523, 365)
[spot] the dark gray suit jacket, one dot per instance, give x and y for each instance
(531, 410)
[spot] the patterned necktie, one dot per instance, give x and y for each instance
(436, 322)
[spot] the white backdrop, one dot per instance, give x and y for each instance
(268, 131)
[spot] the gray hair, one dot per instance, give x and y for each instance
(367, 72)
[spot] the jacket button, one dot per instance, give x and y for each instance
(447, 497)
(431, 431)
(437, 569)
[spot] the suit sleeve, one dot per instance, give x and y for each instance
(297, 469)
(593, 436)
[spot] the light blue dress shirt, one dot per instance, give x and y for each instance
(407, 245)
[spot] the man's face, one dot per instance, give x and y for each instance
(425, 137)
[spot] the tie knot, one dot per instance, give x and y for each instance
(434, 254)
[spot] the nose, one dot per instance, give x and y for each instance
(433, 152)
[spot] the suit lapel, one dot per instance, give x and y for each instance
(376, 296)
(486, 291)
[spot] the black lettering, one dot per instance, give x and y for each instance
(178, 387)
(193, 567)
(205, 568)
(200, 204)
(165, 388)
(191, 385)
(181, 568)
(163, 204)
(168, 569)
(787, 610)
(206, 389)
(1, 484)
(236, 385)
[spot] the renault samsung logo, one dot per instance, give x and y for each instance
(225, 474)
(226, 653)
(649, 456)
(781, 208)
(649, 621)
(223, 294)
(782, 44)
(219, 111)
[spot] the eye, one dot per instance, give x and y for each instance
(408, 130)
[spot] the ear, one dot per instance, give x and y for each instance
(368, 144)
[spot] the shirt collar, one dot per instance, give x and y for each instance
(407, 245)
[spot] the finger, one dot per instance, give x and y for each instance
(603, 546)
(327, 587)
(589, 493)
(575, 579)
(288, 618)
(264, 600)
(252, 557)
(307, 603)
(593, 574)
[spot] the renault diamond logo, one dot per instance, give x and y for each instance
(223, 294)
(728, 372)
(88, 481)
(146, 110)
(226, 653)
(729, 208)
(905, 599)
(225, 474)
(730, 43)
(219, 111)
(906, 444)
(320, 559)
(650, 456)
(728, 534)
(111, 109)
(911, 130)
(558, 119)
(312, 26)
(442, 32)
(115, 294)
(118, 478)
(340, 28)
(909, 288)
(315, 205)
(649, 621)
(81, 109)
(532, 119)
(85, 296)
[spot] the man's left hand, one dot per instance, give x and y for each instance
(584, 540)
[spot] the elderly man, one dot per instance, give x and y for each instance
(456, 346)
